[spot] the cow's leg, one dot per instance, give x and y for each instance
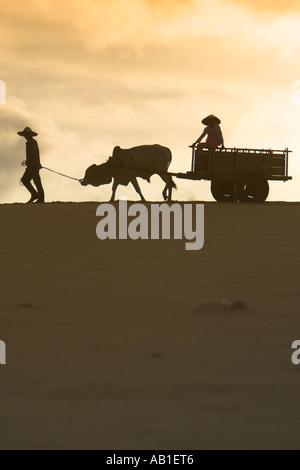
(135, 184)
(114, 189)
(167, 192)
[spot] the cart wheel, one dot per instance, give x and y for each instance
(252, 188)
(223, 191)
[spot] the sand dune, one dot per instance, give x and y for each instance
(143, 345)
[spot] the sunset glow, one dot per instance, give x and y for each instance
(88, 75)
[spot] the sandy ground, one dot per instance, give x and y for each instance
(143, 345)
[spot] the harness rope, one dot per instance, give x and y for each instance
(61, 174)
(121, 166)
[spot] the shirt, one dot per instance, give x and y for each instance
(218, 131)
(33, 154)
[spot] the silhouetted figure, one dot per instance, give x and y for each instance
(214, 135)
(33, 165)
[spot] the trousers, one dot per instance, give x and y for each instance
(33, 174)
(206, 145)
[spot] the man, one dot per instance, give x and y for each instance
(33, 165)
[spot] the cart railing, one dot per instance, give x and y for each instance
(239, 153)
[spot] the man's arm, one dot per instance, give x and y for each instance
(201, 136)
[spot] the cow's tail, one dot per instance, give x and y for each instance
(173, 184)
(170, 158)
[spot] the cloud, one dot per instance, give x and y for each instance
(100, 35)
(12, 120)
(92, 74)
(99, 22)
(271, 6)
(129, 23)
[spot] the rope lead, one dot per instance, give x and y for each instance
(61, 174)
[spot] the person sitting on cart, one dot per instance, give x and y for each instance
(214, 135)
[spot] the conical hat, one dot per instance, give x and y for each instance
(27, 131)
(211, 118)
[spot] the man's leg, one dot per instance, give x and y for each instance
(39, 187)
(25, 180)
(200, 147)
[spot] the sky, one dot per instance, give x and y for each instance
(89, 75)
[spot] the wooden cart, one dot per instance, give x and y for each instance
(238, 174)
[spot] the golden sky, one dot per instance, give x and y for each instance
(88, 75)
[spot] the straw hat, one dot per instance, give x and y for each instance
(211, 118)
(27, 131)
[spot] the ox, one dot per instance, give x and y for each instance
(126, 165)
